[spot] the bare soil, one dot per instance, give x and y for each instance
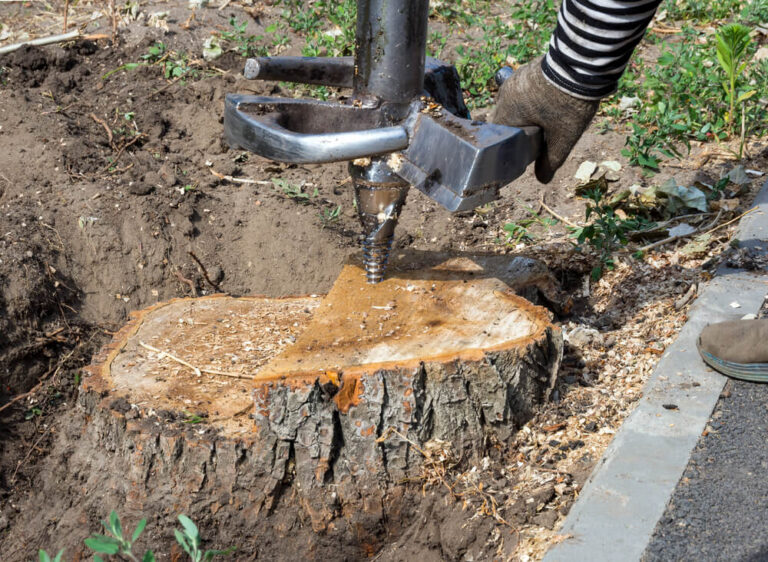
(101, 215)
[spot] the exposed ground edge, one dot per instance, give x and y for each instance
(625, 496)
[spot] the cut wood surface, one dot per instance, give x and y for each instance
(199, 355)
(457, 312)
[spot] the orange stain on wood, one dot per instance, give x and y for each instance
(349, 395)
(369, 431)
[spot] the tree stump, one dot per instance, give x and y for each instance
(232, 408)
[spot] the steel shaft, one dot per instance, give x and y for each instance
(389, 67)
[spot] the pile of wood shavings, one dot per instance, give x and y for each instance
(613, 345)
(637, 312)
(602, 379)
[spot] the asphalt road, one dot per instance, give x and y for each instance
(719, 510)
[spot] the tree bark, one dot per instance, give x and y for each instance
(257, 411)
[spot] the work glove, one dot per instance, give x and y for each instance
(527, 98)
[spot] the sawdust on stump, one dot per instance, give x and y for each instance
(233, 408)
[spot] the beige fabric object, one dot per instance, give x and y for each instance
(739, 341)
(528, 98)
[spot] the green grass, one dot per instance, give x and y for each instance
(683, 99)
(328, 27)
(519, 36)
(706, 11)
(248, 45)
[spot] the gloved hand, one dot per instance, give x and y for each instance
(528, 98)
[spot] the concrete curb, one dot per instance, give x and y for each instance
(625, 496)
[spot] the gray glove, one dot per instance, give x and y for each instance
(528, 98)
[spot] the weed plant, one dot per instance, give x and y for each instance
(683, 95)
(330, 215)
(607, 232)
(732, 44)
(175, 65)
(115, 543)
(519, 232)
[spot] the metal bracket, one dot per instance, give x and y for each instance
(459, 163)
(307, 131)
(441, 80)
(406, 117)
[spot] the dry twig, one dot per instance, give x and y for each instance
(718, 227)
(23, 461)
(679, 236)
(204, 271)
(697, 232)
(164, 88)
(106, 128)
(662, 29)
(239, 180)
(131, 142)
(554, 214)
(188, 24)
(61, 38)
(187, 282)
(197, 370)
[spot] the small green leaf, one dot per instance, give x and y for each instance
(43, 556)
(648, 162)
(182, 540)
(666, 59)
(745, 96)
(189, 527)
(139, 529)
(148, 557)
(105, 545)
(115, 526)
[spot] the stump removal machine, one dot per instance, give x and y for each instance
(405, 124)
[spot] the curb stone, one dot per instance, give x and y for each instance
(627, 493)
